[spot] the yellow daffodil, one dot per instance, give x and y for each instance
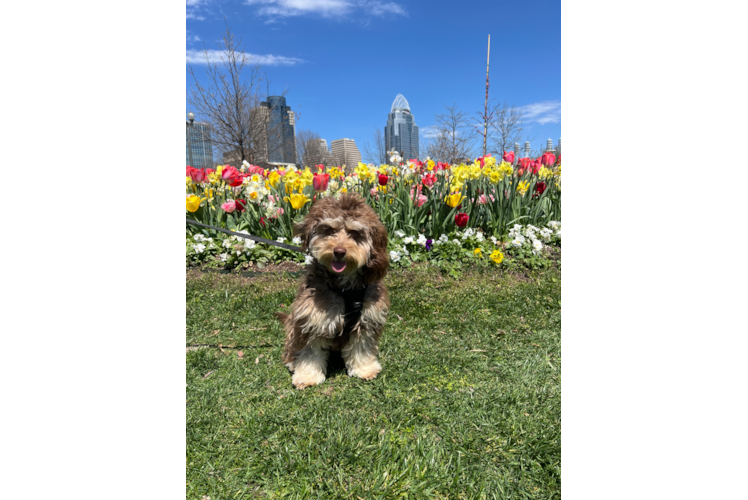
(495, 177)
(344, 189)
(522, 187)
(306, 178)
(478, 252)
(297, 200)
(544, 172)
(189, 180)
(497, 256)
(430, 165)
(214, 177)
(274, 178)
(489, 162)
(219, 169)
(454, 199)
(193, 202)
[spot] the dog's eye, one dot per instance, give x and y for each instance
(325, 230)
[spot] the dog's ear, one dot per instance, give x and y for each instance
(379, 261)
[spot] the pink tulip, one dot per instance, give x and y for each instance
(429, 180)
(420, 200)
(509, 156)
(548, 159)
(373, 191)
(320, 182)
(229, 206)
(482, 199)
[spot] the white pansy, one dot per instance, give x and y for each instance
(199, 248)
(308, 259)
(558, 233)
(537, 246)
(479, 237)
(443, 238)
(223, 257)
(399, 233)
(421, 239)
(457, 242)
(281, 239)
(409, 240)
(394, 256)
(249, 245)
(546, 233)
(518, 241)
(468, 233)
(296, 240)
(554, 225)
(227, 243)
(404, 251)
(199, 237)
(494, 240)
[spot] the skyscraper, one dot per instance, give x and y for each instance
(345, 152)
(281, 133)
(401, 131)
(199, 146)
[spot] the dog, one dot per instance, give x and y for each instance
(342, 303)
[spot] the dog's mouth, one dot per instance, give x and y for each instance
(338, 266)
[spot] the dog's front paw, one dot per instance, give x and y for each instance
(366, 372)
(303, 380)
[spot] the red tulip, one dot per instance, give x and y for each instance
(481, 161)
(262, 221)
(525, 162)
(540, 188)
(509, 156)
(241, 205)
(429, 180)
(197, 175)
(232, 176)
(383, 180)
(320, 182)
(461, 219)
(548, 159)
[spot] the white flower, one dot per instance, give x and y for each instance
(399, 233)
(223, 257)
(457, 242)
(421, 240)
(227, 243)
(308, 259)
(404, 251)
(199, 248)
(558, 233)
(249, 245)
(537, 246)
(546, 233)
(281, 239)
(394, 256)
(199, 237)
(494, 240)
(518, 241)
(554, 225)
(296, 240)
(443, 238)
(479, 237)
(468, 233)
(409, 240)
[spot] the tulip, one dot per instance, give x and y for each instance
(429, 180)
(420, 200)
(548, 159)
(297, 200)
(229, 206)
(540, 188)
(508, 156)
(454, 199)
(461, 219)
(197, 175)
(383, 179)
(193, 202)
(525, 163)
(320, 182)
(241, 205)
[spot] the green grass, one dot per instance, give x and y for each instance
(468, 404)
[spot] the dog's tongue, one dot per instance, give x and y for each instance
(338, 266)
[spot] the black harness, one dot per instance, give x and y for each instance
(354, 303)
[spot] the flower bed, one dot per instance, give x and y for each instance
(445, 214)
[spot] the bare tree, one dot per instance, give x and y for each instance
(232, 103)
(374, 151)
(454, 140)
(310, 150)
(505, 124)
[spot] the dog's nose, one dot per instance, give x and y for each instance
(339, 252)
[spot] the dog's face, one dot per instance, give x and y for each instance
(345, 236)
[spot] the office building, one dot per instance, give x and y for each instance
(199, 146)
(345, 152)
(401, 132)
(281, 131)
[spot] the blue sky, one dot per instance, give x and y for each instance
(344, 61)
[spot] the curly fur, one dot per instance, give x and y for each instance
(338, 231)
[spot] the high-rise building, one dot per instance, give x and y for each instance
(316, 153)
(281, 131)
(345, 152)
(199, 147)
(401, 132)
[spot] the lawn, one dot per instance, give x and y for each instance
(468, 404)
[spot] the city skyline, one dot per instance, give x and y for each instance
(299, 47)
(401, 131)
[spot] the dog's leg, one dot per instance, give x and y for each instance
(310, 365)
(360, 356)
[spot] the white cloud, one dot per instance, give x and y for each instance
(428, 132)
(324, 8)
(198, 57)
(542, 112)
(193, 6)
(196, 17)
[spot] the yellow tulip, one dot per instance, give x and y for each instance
(193, 202)
(297, 200)
(454, 199)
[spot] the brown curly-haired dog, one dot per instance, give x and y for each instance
(342, 303)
